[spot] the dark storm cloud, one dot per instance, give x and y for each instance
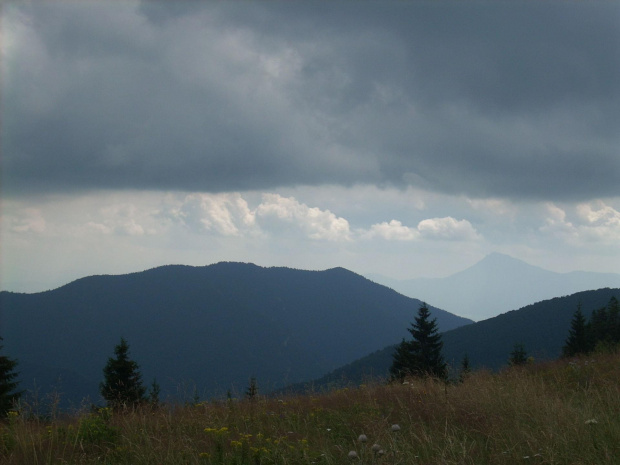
(516, 100)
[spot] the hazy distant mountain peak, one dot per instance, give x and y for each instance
(499, 262)
(496, 284)
(497, 258)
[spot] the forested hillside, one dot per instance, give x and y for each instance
(542, 328)
(204, 329)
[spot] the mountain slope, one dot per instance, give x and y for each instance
(212, 326)
(497, 284)
(541, 327)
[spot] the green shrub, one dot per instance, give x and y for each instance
(95, 428)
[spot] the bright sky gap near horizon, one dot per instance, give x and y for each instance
(407, 139)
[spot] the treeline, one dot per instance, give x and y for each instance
(422, 355)
(601, 331)
(122, 386)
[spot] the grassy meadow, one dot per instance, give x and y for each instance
(561, 412)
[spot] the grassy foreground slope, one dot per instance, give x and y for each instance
(561, 412)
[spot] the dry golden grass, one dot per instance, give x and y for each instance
(564, 412)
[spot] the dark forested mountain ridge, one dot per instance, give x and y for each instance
(542, 328)
(212, 327)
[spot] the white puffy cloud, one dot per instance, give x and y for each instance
(556, 214)
(600, 214)
(393, 231)
(591, 222)
(602, 222)
(316, 223)
(432, 229)
(226, 214)
(556, 222)
(447, 228)
(229, 214)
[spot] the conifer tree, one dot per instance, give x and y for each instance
(252, 390)
(518, 356)
(8, 384)
(579, 341)
(465, 368)
(598, 326)
(402, 360)
(422, 355)
(122, 386)
(154, 393)
(604, 326)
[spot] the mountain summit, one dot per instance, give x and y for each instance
(499, 262)
(499, 283)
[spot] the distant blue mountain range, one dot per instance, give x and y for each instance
(497, 284)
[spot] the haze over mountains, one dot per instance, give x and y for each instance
(210, 327)
(497, 284)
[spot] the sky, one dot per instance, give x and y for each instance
(406, 139)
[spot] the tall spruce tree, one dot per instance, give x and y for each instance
(420, 356)
(9, 394)
(579, 340)
(604, 326)
(518, 356)
(598, 326)
(402, 361)
(122, 386)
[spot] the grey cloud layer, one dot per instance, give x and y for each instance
(503, 100)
